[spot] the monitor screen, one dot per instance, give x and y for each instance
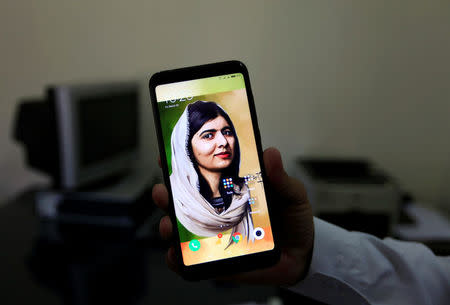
(107, 126)
(98, 130)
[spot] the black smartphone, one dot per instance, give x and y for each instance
(211, 156)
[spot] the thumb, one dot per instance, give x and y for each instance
(289, 188)
(274, 166)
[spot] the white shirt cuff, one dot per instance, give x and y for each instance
(324, 279)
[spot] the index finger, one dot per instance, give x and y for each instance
(160, 196)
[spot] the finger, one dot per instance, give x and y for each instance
(160, 196)
(165, 228)
(159, 161)
(285, 272)
(171, 260)
(291, 189)
(273, 163)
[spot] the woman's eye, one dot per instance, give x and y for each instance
(227, 132)
(207, 136)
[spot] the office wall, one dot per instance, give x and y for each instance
(347, 78)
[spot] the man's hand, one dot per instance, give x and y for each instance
(296, 232)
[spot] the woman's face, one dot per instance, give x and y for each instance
(213, 145)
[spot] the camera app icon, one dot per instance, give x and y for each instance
(258, 233)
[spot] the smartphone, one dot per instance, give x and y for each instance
(211, 156)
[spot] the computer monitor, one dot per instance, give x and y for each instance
(81, 134)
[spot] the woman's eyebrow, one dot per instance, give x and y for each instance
(208, 130)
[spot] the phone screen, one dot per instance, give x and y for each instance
(214, 168)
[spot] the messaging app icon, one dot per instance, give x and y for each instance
(236, 237)
(194, 245)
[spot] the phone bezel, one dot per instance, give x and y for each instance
(240, 263)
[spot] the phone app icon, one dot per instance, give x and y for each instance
(236, 237)
(194, 245)
(227, 183)
(258, 233)
(219, 239)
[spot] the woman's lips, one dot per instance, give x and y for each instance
(224, 155)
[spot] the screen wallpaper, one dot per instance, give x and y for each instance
(214, 168)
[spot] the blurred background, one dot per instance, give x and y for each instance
(333, 79)
(350, 78)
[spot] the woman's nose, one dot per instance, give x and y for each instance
(221, 140)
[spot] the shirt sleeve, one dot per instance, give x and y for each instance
(357, 268)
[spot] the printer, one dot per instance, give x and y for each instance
(350, 193)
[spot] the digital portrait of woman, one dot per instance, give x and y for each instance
(209, 196)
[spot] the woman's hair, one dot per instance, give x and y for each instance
(201, 112)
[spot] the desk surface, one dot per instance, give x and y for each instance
(45, 263)
(40, 264)
(428, 227)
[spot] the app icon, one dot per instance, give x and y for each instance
(258, 233)
(227, 183)
(219, 239)
(236, 237)
(194, 245)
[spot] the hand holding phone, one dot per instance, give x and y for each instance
(296, 232)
